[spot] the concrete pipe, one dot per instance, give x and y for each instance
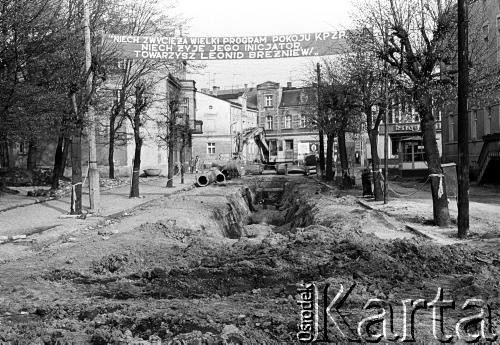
(202, 181)
(218, 176)
(213, 176)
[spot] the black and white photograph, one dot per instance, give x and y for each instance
(193, 172)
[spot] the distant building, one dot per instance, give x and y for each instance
(283, 115)
(225, 118)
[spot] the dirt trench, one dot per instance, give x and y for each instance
(220, 265)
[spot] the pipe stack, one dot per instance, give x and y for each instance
(213, 175)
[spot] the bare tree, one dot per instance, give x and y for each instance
(174, 131)
(370, 80)
(414, 38)
(340, 113)
(137, 18)
(138, 122)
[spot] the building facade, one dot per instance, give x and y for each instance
(225, 119)
(405, 144)
(283, 115)
(484, 106)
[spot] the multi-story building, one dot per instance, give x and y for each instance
(484, 107)
(225, 118)
(283, 115)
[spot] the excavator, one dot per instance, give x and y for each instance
(259, 136)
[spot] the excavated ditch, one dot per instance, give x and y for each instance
(232, 257)
(257, 216)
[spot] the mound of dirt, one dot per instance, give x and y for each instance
(167, 228)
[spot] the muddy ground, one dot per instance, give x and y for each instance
(221, 264)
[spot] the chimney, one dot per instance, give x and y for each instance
(215, 90)
(289, 84)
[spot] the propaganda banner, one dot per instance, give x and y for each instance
(227, 48)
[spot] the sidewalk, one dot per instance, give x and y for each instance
(38, 217)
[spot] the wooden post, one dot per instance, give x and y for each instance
(94, 191)
(463, 121)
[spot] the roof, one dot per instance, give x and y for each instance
(220, 99)
(229, 95)
(268, 84)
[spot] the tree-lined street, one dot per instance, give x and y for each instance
(350, 201)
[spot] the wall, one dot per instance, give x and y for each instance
(216, 116)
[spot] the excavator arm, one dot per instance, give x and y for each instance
(260, 139)
(259, 136)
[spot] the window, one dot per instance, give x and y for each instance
(487, 121)
(303, 121)
(288, 121)
(303, 98)
(473, 127)
(289, 145)
(184, 107)
(451, 125)
(269, 100)
(211, 148)
(269, 122)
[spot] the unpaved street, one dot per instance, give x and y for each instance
(221, 264)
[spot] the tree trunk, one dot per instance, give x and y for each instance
(76, 174)
(76, 159)
(438, 186)
(111, 152)
(170, 165)
(321, 153)
(56, 172)
(171, 144)
(344, 163)
(329, 173)
(181, 158)
(4, 155)
(134, 189)
(377, 176)
(31, 159)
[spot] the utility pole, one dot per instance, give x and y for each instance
(386, 135)
(94, 192)
(386, 146)
(321, 135)
(463, 121)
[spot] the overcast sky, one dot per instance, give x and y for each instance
(259, 17)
